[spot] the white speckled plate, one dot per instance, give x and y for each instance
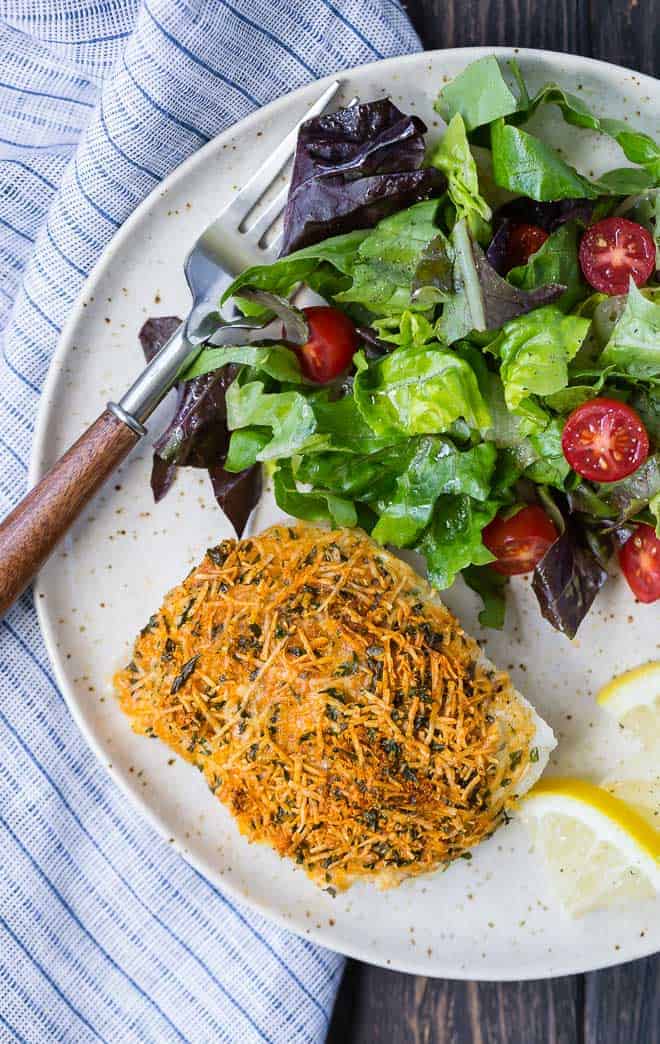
(492, 918)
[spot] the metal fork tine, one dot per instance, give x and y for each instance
(254, 189)
(257, 231)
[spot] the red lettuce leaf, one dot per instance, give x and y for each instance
(567, 580)
(197, 435)
(502, 301)
(353, 168)
(548, 216)
(155, 332)
(237, 493)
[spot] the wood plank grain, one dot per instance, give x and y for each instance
(622, 1004)
(622, 31)
(376, 1006)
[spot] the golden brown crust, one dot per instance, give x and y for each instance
(339, 712)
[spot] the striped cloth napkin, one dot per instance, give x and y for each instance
(106, 933)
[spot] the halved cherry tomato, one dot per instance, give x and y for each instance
(520, 542)
(522, 242)
(604, 440)
(333, 341)
(612, 251)
(640, 561)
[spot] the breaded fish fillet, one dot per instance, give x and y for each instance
(334, 705)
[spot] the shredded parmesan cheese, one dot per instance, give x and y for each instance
(333, 704)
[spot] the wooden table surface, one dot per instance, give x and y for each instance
(620, 1005)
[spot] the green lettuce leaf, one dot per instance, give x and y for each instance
(568, 399)
(624, 181)
(275, 361)
(630, 495)
(452, 155)
(509, 429)
(418, 391)
(523, 163)
(492, 588)
(326, 267)
(535, 350)
(315, 506)
(453, 539)
(634, 346)
(556, 261)
(654, 508)
(289, 415)
(540, 457)
(482, 299)
(343, 427)
(647, 403)
(479, 94)
(433, 278)
(637, 147)
(387, 258)
(368, 477)
(437, 467)
(245, 445)
(645, 210)
(408, 330)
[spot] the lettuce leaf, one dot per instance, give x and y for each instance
(387, 260)
(637, 147)
(556, 262)
(540, 456)
(523, 163)
(237, 494)
(479, 95)
(634, 345)
(509, 429)
(482, 299)
(654, 508)
(647, 403)
(289, 415)
(535, 350)
(452, 156)
(433, 279)
(352, 168)
(417, 391)
(408, 330)
(326, 267)
(630, 495)
(315, 506)
(275, 361)
(567, 580)
(368, 477)
(492, 588)
(453, 541)
(197, 434)
(437, 467)
(645, 210)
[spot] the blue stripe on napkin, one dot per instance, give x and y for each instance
(105, 932)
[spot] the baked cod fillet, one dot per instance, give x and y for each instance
(334, 705)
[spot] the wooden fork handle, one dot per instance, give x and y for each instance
(30, 533)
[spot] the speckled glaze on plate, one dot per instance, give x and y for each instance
(491, 918)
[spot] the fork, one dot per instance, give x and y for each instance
(29, 534)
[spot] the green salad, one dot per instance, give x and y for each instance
(479, 379)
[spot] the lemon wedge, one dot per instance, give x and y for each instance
(633, 698)
(599, 850)
(641, 794)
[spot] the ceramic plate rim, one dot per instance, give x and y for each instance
(35, 471)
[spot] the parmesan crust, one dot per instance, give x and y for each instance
(334, 705)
